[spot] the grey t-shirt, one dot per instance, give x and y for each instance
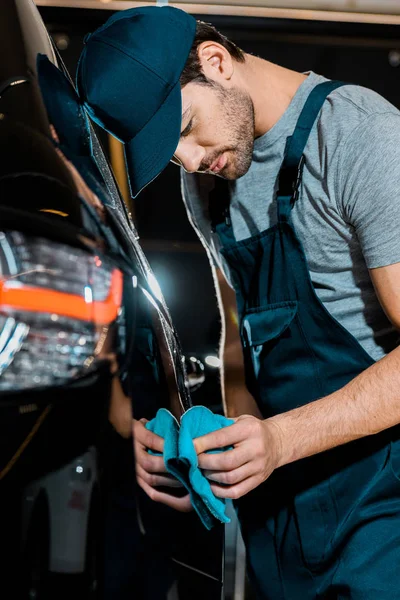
(348, 213)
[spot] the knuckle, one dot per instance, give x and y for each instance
(219, 439)
(152, 479)
(229, 461)
(142, 475)
(152, 493)
(260, 452)
(234, 494)
(158, 466)
(146, 463)
(252, 426)
(230, 478)
(147, 438)
(244, 420)
(139, 444)
(203, 462)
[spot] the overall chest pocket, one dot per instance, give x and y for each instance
(262, 327)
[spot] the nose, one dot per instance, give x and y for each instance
(189, 156)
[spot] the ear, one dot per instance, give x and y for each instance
(215, 60)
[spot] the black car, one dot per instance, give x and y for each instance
(80, 315)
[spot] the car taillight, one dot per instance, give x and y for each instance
(58, 308)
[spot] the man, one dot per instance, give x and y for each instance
(297, 205)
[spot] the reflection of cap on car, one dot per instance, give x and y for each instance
(128, 79)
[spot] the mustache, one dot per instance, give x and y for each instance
(206, 163)
(205, 166)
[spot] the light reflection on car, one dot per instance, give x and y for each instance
(85, 334)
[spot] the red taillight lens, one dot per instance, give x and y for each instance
(58, 308)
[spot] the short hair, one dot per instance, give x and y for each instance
(206, 32)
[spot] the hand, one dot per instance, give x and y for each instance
(255, 455)
(151, 471)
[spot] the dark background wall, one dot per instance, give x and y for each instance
(368, 55)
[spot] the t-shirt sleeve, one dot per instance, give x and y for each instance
(368, 187)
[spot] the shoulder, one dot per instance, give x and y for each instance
(353, 107)
(360, 100)
(368, 158)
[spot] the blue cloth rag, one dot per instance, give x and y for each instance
(180, 456)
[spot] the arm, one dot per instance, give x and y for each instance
(367, 405)
(235, 396)
(367, 197)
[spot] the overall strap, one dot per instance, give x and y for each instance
(292, 167)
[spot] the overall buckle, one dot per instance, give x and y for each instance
(290, 179)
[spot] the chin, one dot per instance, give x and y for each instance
(233, 174)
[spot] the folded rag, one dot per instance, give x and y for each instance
(180, 456)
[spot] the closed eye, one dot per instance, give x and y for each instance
(187, 129)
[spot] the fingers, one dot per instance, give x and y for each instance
(149, 462)
(151, 471)
(156, 479)
(233, 492)
(244, 427)
(182, 504)
(229, 477)
(232, 473)
(226, 461)
(218, 439)
(147, 438)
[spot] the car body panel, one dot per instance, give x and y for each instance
(39, 109)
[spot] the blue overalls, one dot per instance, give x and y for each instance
(327, 526)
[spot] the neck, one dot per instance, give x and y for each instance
(271, 89)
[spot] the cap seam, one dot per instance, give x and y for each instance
(159, 108)
(148, 165)
(116, 47)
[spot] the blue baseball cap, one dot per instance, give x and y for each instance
(128, 80)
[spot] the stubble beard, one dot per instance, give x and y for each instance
(239, 123)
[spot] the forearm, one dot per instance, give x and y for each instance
(367, 405)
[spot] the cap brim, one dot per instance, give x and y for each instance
(149, 152)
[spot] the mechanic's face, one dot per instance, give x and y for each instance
(217, 134)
